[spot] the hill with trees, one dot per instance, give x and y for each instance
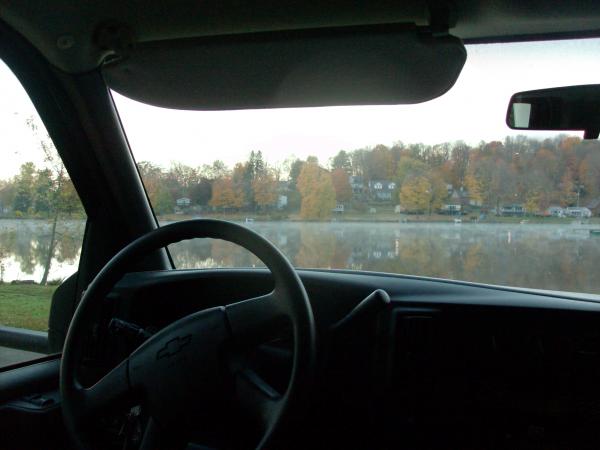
(534, 173)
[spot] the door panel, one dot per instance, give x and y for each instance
(30, 407)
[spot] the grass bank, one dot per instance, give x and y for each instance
(25, 305)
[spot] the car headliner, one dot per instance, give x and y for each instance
(223, 54)
(67, 32)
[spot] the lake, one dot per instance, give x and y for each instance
(554, 257)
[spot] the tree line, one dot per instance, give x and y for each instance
(535, 173)
(531, 172)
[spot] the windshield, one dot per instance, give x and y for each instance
(440, 189)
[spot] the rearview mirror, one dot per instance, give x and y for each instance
(575, 108)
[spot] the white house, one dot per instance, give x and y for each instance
(183, 201)
(382, 190)
(579, 212)
(555, 211)
(282, 201)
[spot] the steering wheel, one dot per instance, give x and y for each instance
(178, 374)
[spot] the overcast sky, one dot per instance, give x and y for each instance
(473, 110)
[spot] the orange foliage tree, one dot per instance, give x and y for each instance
(224, 195)
(341, 185)
(317, 192)
(264, 188)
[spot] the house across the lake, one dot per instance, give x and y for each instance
(460, 197)
(594, 206)
(382, 190)
(451, 208)
(579, 212)
(555, 211)
(515, 209)
(183, 202)
(339, 208)
(358, 186)
(282, 201)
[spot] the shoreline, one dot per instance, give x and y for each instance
(405, 219)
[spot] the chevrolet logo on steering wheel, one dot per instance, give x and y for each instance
(173, 346)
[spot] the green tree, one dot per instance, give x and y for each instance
(43, 185)
(61, 199)
(295, 169)
(342, 161)
(24, 187)
(200, 192)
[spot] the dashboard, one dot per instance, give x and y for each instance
(403, 361)
(441, 365)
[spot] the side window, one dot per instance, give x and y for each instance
(41, 223)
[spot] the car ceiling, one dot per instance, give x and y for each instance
(72, 35)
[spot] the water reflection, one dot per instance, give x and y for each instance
(24, 249)
(555, 257)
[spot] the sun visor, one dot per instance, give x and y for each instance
(283, 70)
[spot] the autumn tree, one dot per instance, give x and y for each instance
(568, 191)
(473, 185)
(152, 177)
(264, 188)
(423, 192)
(409, 167)
(416, 194)
(223, 194)
(532, 202)
(238, 179)
(589, 172)
(341, 185)
(438, 189)
(316, 190)
(379, 163)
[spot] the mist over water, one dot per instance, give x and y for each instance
(554, 257)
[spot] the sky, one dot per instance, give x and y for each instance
(473, 110)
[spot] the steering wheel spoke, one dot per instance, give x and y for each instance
(257, 399)
(257, 319)
(157, 437)
(105, 393)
